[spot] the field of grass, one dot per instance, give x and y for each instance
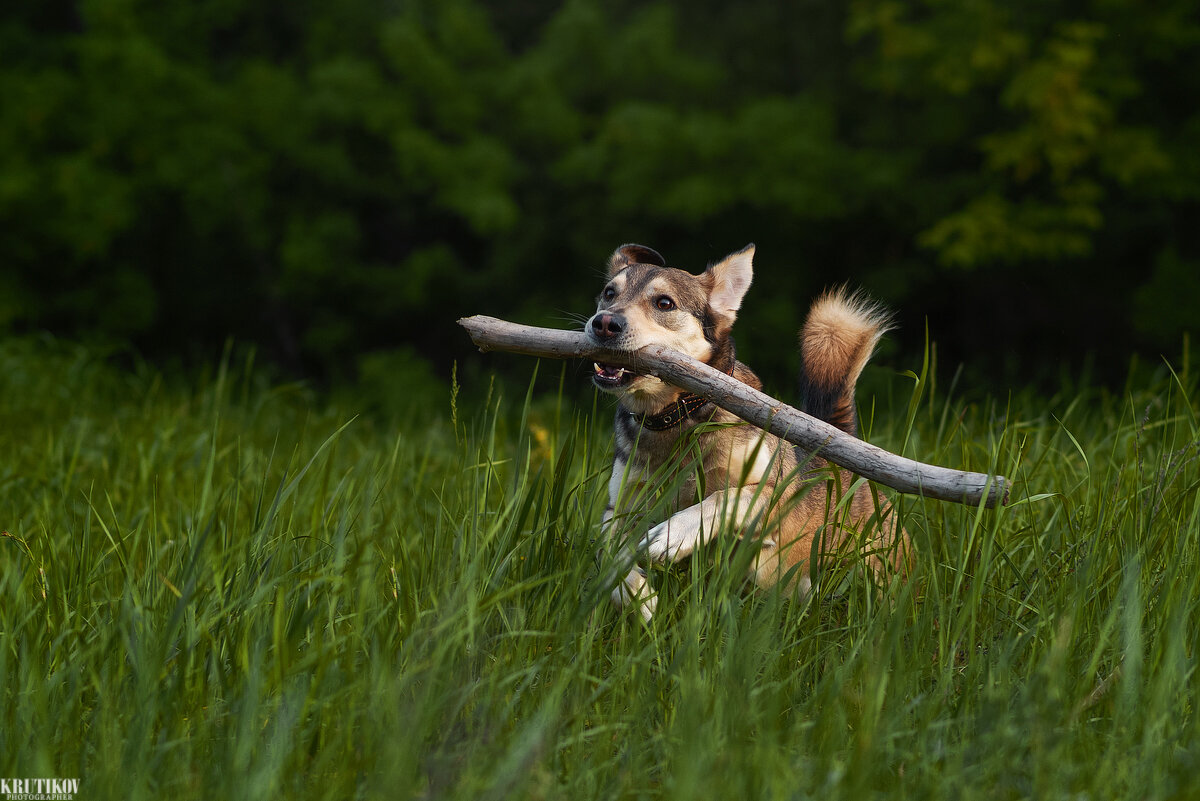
(227, 588)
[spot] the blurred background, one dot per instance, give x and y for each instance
(336, 183)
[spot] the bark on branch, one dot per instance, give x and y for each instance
(793, 425)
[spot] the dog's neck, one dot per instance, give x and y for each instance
(685, 407)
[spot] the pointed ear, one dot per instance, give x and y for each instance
(730, 279)
(633, 254)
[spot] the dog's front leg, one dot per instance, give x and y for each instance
(634, 588)
(686, 530)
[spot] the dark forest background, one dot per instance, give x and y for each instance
(332, 181)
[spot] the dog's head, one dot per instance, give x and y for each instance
(646, 302)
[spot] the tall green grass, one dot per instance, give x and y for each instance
(236, 589)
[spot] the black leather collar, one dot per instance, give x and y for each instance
(683, 408)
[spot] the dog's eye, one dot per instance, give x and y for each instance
(609, 293)
(664, 303)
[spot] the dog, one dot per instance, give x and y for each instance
(743, 481)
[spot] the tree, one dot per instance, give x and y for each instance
(330, 179)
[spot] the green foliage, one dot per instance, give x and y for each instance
(1166, 304)
(1067, 139)
(231, 588)
(331, 178)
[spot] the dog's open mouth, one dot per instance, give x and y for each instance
(608, 376)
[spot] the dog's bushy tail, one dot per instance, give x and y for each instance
(836, 342)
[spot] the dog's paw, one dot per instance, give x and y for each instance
(669, 543)
(647, 606)
(634, 590)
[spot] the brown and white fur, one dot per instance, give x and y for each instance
(755, 483)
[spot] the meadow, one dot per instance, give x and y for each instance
(218, 585)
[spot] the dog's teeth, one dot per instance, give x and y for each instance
(609, 372)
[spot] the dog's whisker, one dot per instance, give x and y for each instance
(571, 317)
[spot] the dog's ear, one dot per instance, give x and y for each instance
(633, 254)
(730, 278)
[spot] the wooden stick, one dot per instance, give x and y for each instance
(793, 425)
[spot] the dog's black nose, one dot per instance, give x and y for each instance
(607, 326)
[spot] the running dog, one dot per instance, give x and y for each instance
(744, 481)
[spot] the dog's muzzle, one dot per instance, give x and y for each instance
(606, 328)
